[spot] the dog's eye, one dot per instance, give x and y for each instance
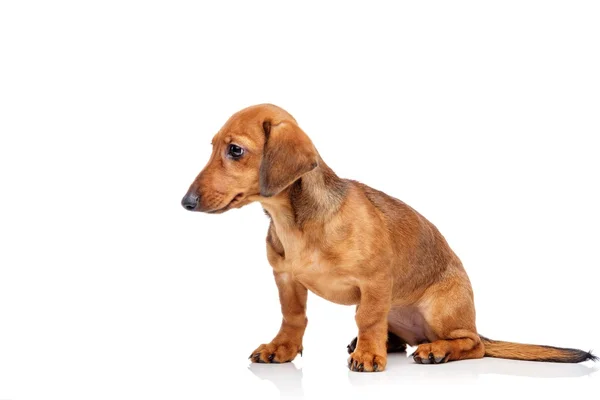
(235, 151)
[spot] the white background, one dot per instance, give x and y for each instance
(484, 117)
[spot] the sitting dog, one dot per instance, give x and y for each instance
(349, 244)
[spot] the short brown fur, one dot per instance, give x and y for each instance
(349, 244)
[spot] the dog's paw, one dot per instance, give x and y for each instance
(362, 361)
(352, 346)
(395, 344)
(275, 353)
(430, 353)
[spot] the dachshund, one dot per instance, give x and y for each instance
(350, 244)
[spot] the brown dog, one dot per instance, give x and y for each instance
(349, 244)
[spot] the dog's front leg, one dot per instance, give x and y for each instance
(288, 342)
(370, 354)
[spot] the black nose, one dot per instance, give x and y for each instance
(189, 202)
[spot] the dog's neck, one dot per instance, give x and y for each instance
(314, 197)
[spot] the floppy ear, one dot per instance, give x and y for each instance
(288, 154)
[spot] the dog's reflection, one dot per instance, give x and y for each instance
(287, 378)
(401, 369)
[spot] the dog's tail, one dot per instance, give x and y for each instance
(534, 352)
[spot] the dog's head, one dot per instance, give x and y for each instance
(259, 152)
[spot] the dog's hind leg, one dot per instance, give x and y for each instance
(449, 312)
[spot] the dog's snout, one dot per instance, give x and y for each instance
(190, 202)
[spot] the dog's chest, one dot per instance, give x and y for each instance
(309, 265)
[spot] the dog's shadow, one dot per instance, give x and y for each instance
(401, 370)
